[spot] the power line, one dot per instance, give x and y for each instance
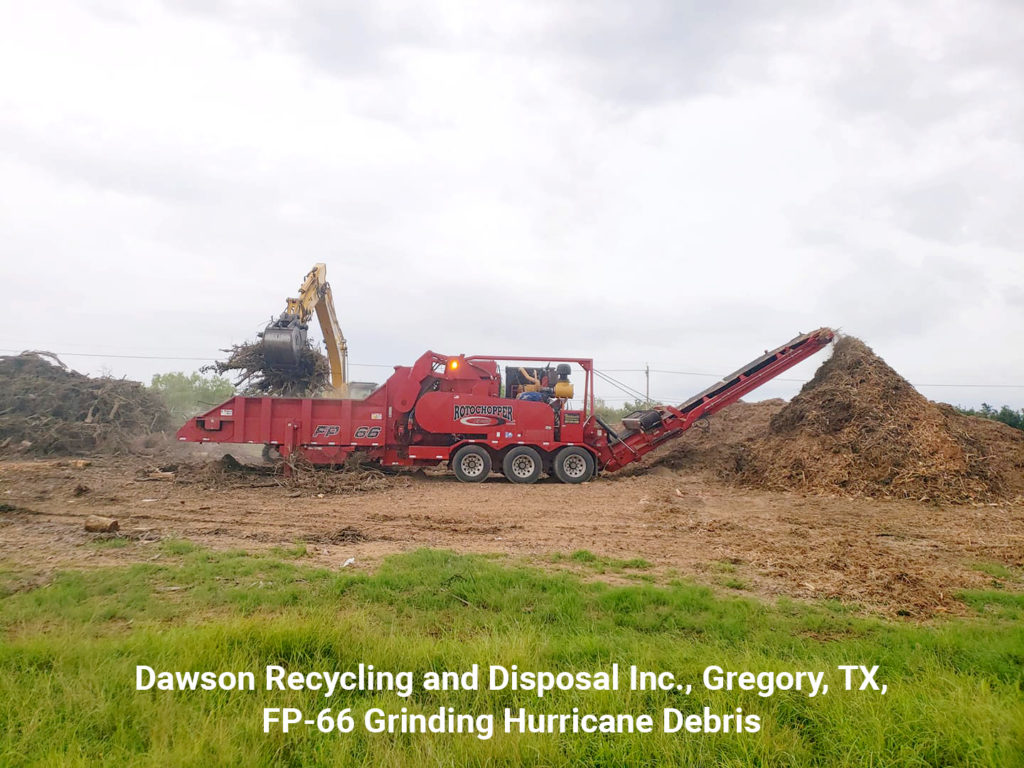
(640, 396)
(716, 375)
(614, 382)
(165, 357)
(122, 357)
(804, 381)
(983, 386)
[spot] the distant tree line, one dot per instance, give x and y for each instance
(1006, 414)
(613, 415)
(188, 395)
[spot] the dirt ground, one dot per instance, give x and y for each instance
(896, 558)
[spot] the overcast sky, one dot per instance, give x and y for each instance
(676, 183)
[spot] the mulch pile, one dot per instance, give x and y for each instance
(254, 377)
(48, 409)
(858, 428)
(717, 446)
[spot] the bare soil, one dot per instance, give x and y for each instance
(895, 557)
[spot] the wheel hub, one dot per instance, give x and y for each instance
(472, 465)
(522, 466)
(574, 466)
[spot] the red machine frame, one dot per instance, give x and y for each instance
(443, 409)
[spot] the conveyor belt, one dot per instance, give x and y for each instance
(821, 336)
(655, 426)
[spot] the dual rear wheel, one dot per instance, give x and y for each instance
(573, 465)
(523, 464)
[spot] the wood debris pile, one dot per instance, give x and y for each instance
(48, 409)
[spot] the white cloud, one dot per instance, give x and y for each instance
(675, 185)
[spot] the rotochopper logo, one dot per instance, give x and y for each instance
(484, 415)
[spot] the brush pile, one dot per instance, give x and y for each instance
(858, 428)
(255, 378)
(48, 409)
(354, 476)
(295, 474)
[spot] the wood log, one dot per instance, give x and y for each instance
(97, 524)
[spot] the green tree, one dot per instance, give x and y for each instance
(1006, 414)
(613, 415)
(189, 394)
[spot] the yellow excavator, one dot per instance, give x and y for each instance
(284, 340)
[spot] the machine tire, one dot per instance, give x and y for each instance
(574, 465)
(522, 465)
(471, 464)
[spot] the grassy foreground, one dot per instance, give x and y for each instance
(69, 650)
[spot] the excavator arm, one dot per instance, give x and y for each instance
(284, 340)
(334, 340)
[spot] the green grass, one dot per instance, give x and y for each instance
(602, 564)
(733, 583)
(177, 546)
(1008, 606)
(584, 556)
(70, 647)
(291, 553)
(996, 570)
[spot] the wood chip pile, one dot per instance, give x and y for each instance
(858, 428)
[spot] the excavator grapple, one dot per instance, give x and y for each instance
(284, 341)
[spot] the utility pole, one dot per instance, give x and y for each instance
(647, 388)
